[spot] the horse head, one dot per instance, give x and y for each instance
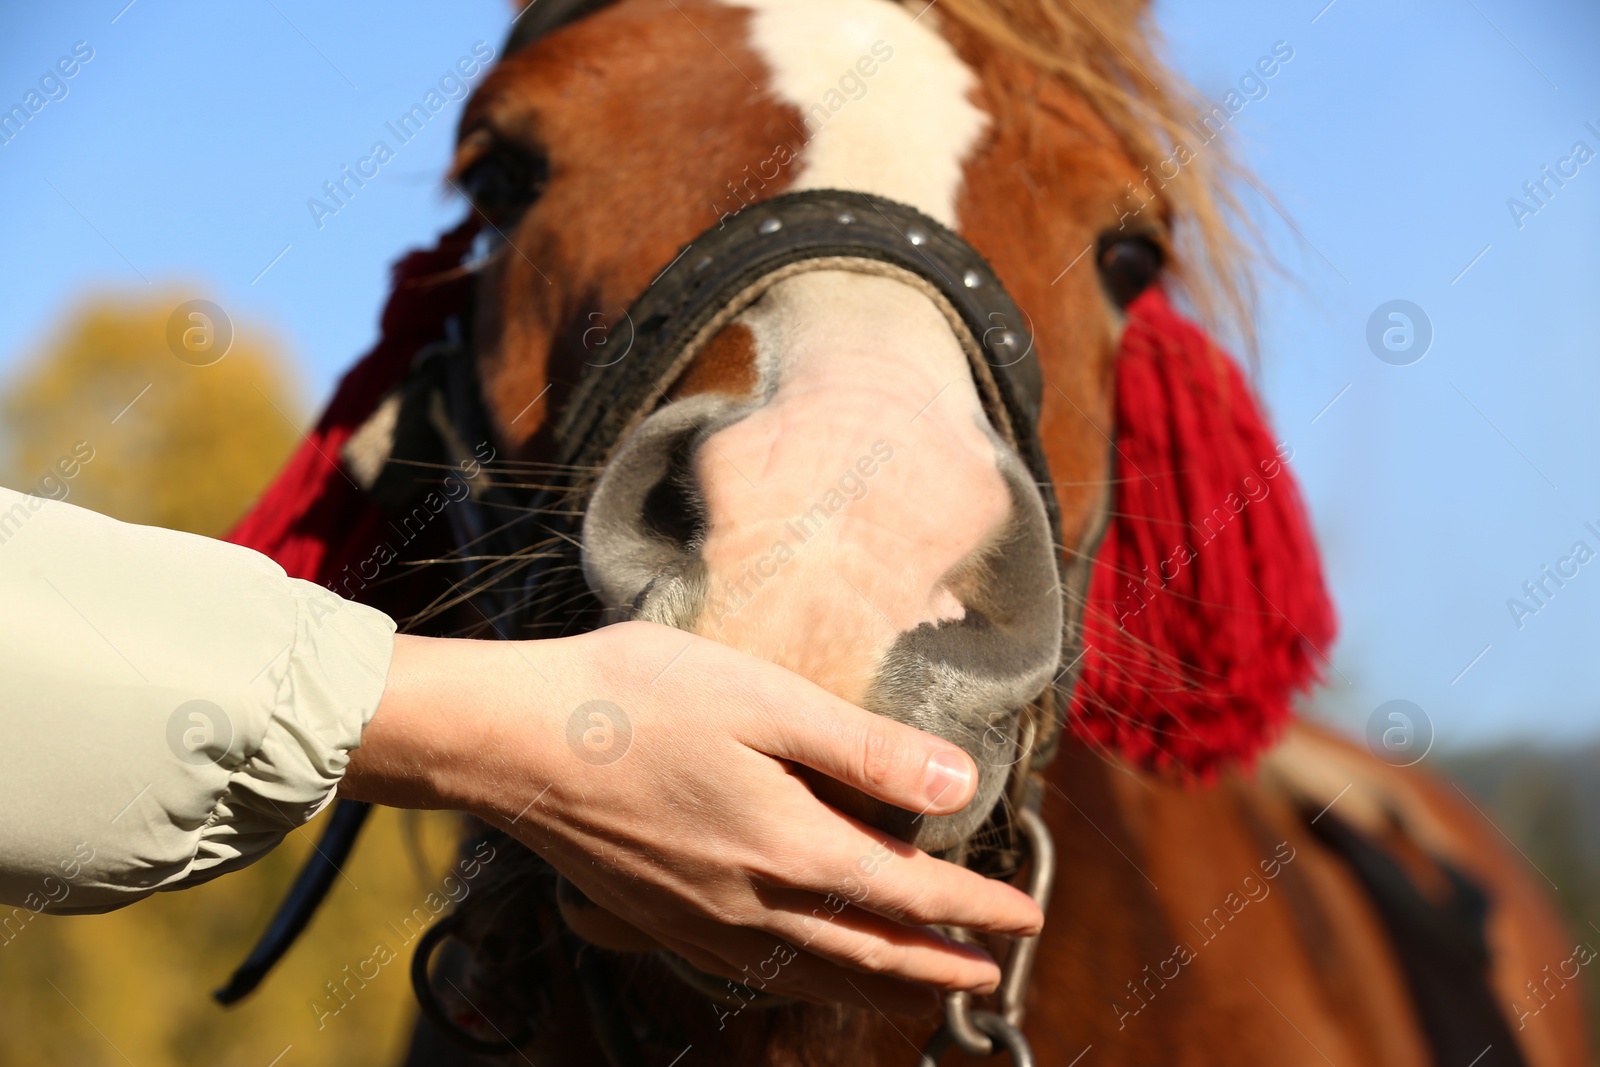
(806, 320)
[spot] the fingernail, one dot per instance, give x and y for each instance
(948, 775)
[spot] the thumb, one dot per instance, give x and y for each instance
(887, 760)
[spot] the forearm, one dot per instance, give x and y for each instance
(172, 705)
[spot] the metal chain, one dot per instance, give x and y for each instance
(976, 1032)
(1009, 1037)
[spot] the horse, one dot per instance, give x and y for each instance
(890, 456)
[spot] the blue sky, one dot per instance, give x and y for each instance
(184, 152)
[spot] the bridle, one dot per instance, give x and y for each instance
(714, 278)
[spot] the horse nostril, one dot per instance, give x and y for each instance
(647, 518)
(673, 508)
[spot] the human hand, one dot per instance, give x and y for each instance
(675, 804)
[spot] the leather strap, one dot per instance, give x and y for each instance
(728, 267)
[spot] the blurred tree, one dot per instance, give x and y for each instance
(190, 446)
(172, 444)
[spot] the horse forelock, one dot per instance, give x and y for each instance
(1109, 55)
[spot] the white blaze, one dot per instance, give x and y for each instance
(850, 362)
(882, 96)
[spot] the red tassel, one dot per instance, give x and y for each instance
(1207, 609)
(312, 519)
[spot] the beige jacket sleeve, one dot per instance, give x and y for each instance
(170, 706)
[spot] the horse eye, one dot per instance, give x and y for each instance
(1128, 266)
(504, 182)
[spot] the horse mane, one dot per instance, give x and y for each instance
(1109, 52)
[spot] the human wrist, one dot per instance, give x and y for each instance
(440, 714)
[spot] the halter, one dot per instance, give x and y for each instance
(434, 418)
